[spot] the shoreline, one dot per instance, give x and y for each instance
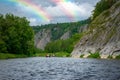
(5, 56)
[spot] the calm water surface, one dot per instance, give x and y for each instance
(59, 69)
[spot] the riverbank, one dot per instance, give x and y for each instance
(11, 56)
(58, 54)
(97, 55)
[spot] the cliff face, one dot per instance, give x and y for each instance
(42, 38)
(103, 35)
(65, 35)
(47, 35)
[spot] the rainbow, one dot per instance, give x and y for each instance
(65, 8)
(37, 10)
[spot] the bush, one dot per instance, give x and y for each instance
(118, 57)
(94, 55)
(110, 57)
(39, 50)
(82, 55)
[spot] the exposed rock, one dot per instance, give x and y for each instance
(103, 35)
(45, 35)
(42, 38)
(83, 28)
(65, 35)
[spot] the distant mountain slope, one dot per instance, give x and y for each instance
(103, 35)
(52, 32)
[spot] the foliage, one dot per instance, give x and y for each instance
(58, 54)
(63, 45)
(102, 6)
(16, 36)
(118, 57)
(82, 55)
(39, 50)
(94, 55)
(62, 54)
(110, 57)
(9, 56)
(57, 30)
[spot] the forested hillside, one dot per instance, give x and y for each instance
(60, 31)
(57, 30)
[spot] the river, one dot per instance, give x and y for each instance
(59, 69)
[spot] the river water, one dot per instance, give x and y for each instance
(59, 69)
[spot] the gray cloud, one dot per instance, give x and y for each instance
(81, 9)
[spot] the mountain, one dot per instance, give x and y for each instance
(52, 32)
(102, 36)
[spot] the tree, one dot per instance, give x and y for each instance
(102, 6)
(16, 35)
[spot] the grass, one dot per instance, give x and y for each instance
(94, 55)
(40, 54)
(62, 54)
(10, 56)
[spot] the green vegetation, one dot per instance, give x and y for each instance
(110, 57)
(9, 56)
(63, 45)
(102, 6)
(58, 54)
(62, 54)
(57, 30)
(82, 55)
(117, 5)
(16, 36)
(118, 57)
(94, 55)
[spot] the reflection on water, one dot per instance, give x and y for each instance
(59, 69)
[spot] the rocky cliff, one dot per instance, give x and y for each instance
(46, 35)
(42, 38)
(103, 35)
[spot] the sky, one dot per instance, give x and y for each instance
(40, 12)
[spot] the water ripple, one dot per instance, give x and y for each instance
(59, 69)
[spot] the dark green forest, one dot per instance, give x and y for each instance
(16, 35)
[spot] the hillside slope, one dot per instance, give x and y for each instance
(63, 31)
(103, 35)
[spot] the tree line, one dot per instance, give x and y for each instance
(102, 6)
(16, 35)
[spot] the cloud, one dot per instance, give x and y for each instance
(80, 11)
(60, 12)
(54, 11)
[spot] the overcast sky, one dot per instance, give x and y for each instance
(57, 10)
